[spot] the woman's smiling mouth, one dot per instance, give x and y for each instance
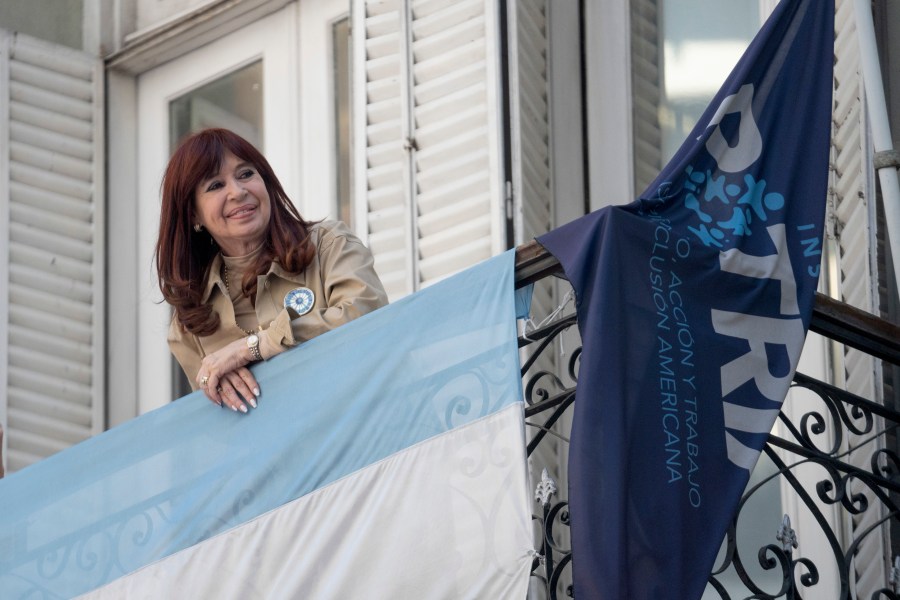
(241, 212)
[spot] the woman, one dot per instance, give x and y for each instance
(247, 277)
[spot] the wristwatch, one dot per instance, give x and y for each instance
(253, 346)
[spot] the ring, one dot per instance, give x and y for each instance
(204, 380)
(219, 389)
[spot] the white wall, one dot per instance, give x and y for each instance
(151, 13)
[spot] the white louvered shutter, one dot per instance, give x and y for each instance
(853, 197)
(646, 92)
(52, 247)
(531, 162)
(530, 118)
(428, 150)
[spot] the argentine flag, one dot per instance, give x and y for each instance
(386, 460)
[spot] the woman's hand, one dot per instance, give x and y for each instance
(225, 378)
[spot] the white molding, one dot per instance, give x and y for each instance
(515, 134)
(608, 49)
(318, 143)
(149, 48)
(407, 132)
(494, 103)
(566, 125)
(358, 141)
(122, 234)
(5, 43)
(100, 282)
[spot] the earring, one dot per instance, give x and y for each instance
(198, 227)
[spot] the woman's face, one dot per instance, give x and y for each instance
(234, 206)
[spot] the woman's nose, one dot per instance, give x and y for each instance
(235, 189)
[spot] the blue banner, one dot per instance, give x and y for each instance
(693, 304)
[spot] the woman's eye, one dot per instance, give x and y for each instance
(246, 174)
(214, 186)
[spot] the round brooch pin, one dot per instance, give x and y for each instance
(300, 299)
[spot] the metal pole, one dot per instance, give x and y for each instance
(881, 130)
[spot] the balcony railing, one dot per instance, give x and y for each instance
(835, 457)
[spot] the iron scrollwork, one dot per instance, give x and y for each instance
(840, 437)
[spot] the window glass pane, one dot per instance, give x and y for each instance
(681, 54)
(341, 41)
(702, 41)
(234, 102)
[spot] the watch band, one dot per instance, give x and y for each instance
(253, 346)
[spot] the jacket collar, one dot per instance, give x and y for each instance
(214, 277)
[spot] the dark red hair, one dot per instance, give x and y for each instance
(183, 255)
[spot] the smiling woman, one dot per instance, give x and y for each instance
(233, 205)
(246, 275)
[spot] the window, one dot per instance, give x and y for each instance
(679, 61)
(233, 101)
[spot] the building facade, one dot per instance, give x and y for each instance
(442, 131)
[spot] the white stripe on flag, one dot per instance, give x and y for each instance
(445, 518)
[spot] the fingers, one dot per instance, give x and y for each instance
(235, 390)
(238, 390)
(244, 383)
(209, 383)
(226, 380)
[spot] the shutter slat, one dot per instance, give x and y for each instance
(470, 186)
(63, 104)
(55, 387)
(40, 363)
(436, 131)
(451, 214)
(435, 36)
(51, 182)
(52, 162)
(461, 256)
(58, 59)
(466, 142)
(30, 236)
(50, 325)
(54, 303)
(52, 407)
(43, 442)
(48, 262)
(450, 170)
(75, 290)
(384, 175)
(25, 337)
(50, 140)
(444, 63)
(386, 196)
(45, 119)
(50, 80)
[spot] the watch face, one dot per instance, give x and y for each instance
(253, 340)
(300, 299)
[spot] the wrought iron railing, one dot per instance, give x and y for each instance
(835, 458)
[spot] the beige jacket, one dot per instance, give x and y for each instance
(341, 275)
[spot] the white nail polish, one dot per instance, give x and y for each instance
(234, 408)
(243, 408)
(256, 391)
(252, 402)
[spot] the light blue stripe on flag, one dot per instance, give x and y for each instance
(441, 358)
